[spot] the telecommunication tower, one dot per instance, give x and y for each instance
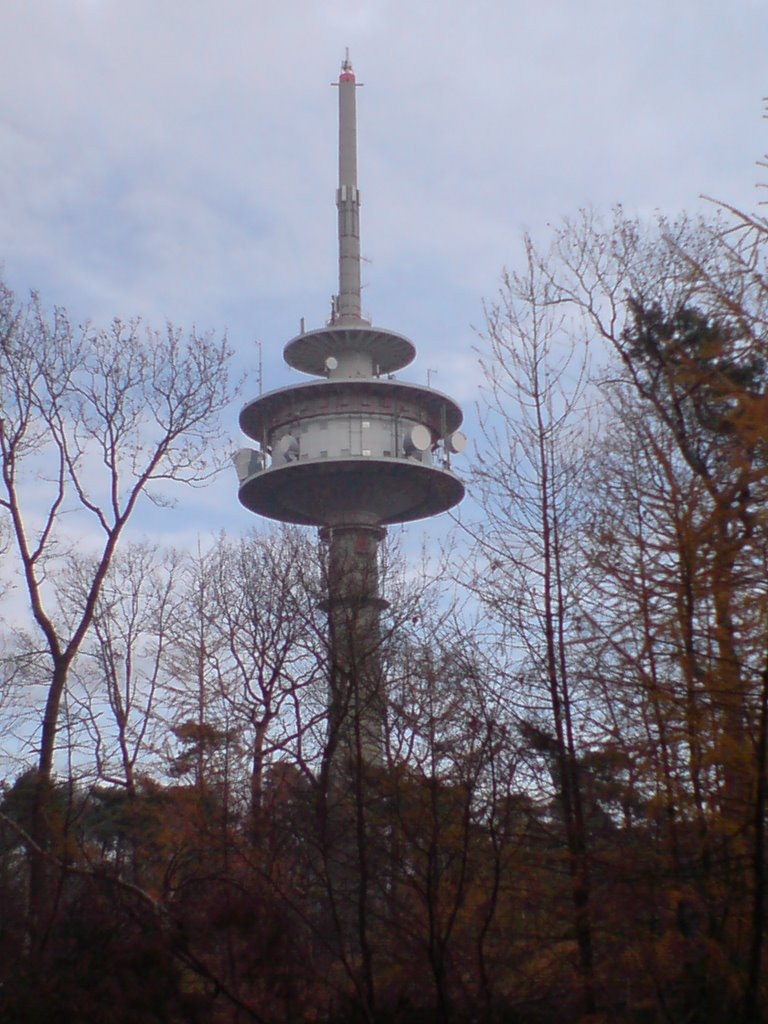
(351, 452)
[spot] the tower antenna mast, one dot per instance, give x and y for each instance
(347, 306)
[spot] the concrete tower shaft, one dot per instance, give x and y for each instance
(356, 704)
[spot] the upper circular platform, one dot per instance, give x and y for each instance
(387, 350)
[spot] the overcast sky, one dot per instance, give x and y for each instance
(176, 159)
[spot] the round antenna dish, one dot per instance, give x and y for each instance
(331, 363)
(247, 461)
(456, 442)
(420, 438)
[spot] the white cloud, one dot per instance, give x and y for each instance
(178, 159)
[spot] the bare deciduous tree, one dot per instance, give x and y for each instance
(92, 421)
(123, 666)
(683, 305)
(534, 433)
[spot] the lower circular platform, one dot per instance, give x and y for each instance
(335, 491)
